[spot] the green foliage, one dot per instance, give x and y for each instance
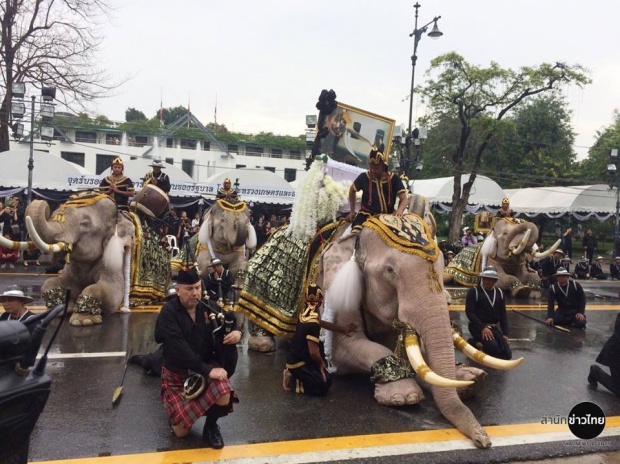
(171, 115)
(150, 127)
(134, 115)
(594, 168)
(536, 148)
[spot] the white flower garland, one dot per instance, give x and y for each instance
(316, 202)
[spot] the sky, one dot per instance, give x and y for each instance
(263, 63)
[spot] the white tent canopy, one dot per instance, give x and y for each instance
(49, 172)
(581, 201)
(257, 185)
(485, 193)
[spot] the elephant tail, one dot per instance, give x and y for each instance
(113, 254)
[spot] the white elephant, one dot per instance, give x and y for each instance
(112, 256)
(387, 281)
(226, 233)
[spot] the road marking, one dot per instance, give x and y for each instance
(355, 447)
(104, 354)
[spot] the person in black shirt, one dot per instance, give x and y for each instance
(485, 308)
(157, 177)
(571, 301)
(596, 270)
(380, 188)
(306, 366)
(189, 349)
(219, 279)
(589, 245)
(609, 356)
(117, 185)
(549, 266)
(614, 268)
(14, 303)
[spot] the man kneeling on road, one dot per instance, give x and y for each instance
(485, 308)
(571, 301)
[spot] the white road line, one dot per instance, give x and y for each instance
(415, 448)
(107, 354)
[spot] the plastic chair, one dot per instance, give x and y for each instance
(172, 243)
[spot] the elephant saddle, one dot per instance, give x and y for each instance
(465, 266)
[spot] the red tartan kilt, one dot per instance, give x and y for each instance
(184, 411)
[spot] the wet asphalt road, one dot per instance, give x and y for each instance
(79, 420)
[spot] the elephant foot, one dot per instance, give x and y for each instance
(521, 291)
(85, 319)
(478, 376)
(261, 343)
(398, 393)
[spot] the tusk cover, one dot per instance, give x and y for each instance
(522, 243)
(547, 252)
(412, 346)
(482, 358)
(12, 245)
(38, 241)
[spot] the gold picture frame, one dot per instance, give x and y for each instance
(353, 132)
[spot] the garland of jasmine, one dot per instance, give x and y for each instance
(316, 202)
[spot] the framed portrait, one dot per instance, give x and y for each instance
(353, 132)
(484, 222)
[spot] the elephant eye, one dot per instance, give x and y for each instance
(389, 269)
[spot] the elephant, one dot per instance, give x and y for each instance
(111, 256)
(386, 281)
(226, 233)
(507, 248)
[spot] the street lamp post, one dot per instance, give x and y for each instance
(417, 35)
(614, 181)
(46, 113)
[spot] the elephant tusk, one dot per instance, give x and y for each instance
(547, 252)
(13, 245)
(481, 358)
(38, 241)
(522, 244)
(412, 346)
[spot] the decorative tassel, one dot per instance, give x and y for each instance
(126, 271)
(433, 280)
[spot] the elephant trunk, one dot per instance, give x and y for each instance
(437, 338)
(39, 212)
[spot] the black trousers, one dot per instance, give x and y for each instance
(564, 317)
(308, 380)
(498, 348)
(610, 382)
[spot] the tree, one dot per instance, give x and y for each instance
(594, 167)
(51, 44)
(537, 145)
(134, 115)
(480, 98)
(172, 115)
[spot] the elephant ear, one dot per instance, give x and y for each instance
(419, 204)
(342, 277)
(204, 234)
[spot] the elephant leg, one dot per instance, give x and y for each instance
(478, 376)
(398, 393)
(357, 354)
(87, 311)
(260, 340)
